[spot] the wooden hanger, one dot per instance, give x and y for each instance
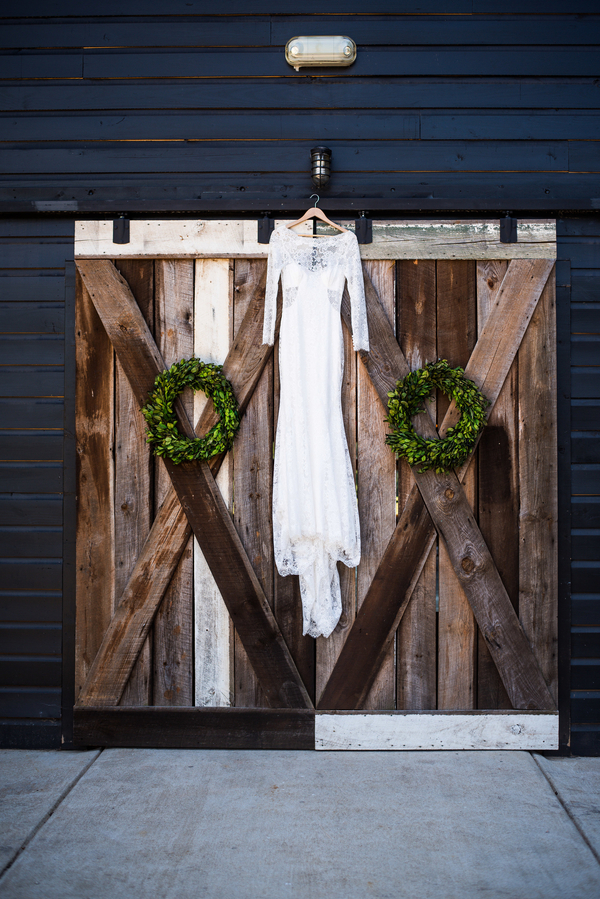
(314, 212)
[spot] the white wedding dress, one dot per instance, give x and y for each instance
(315, 512)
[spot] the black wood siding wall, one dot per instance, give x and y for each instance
(155, 107)
(32, 356)
(578, 272)
(490, 107)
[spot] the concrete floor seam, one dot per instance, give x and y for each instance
(556, 792)
(47, 816)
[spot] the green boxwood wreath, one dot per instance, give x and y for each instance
(163, 432)
(407, 400)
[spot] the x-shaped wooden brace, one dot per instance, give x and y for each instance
(438, 499)
(438, 502)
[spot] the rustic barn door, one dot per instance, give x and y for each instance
(448, 634)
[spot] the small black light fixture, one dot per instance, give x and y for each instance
(320, 159)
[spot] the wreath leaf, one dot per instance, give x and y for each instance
(407, 400)
(163, 432)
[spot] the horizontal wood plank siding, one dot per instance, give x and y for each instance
(32, 324)
(265, 30)
(336, 92)
(477, 109)
(526, 125)
(579, 283)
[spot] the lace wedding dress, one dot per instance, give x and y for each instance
(315, 513)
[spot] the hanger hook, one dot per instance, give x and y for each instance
(317, 196)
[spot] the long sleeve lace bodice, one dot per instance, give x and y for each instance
(315, 513)
(339, 255)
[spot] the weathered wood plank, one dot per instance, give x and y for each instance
(124, 324)
(502, 334)
(170, 533)
(376, 485)
(189, 728)
(416, 640)
(391, 240)
(457, 240)
(253, 517)
(389, 594)
(457, 632)
(538, 512)
(175, 238)
(251, 614)
(301, 729)
(437, 731)
(417, 655)
(498, 489)
(328, 648)
(131, 622)
(200, 498)
(94, 409)
(253, 465)
(213, 315)
(172, 682)
(133, 477)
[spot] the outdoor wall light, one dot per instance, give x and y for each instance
(320, 165)
(322, 50)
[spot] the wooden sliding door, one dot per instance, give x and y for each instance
(187, 634)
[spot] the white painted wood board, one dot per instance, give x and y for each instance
(212, 624)
(171, 238)
(481, 730)
(435, 239)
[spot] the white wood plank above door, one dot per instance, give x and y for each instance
(391, 240)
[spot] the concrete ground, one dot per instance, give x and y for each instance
(173, 824)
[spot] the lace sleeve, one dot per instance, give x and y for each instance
(274, 265)
(356, 289)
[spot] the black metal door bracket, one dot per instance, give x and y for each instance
(364, 229)
(265, 228)
(121, 229)
(508, 229)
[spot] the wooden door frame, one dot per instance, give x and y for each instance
(475, 240)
